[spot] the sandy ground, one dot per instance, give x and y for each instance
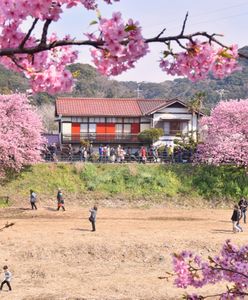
(54, 255)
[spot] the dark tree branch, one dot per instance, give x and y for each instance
(184, 23)
(44, 32)
(181, 45)
(29, 33)
(161, 33)
(14, 60)
(221, 294)
(99, 44)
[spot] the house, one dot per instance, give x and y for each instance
(119, 121)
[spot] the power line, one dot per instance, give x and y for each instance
(203, 14)
(222, 18)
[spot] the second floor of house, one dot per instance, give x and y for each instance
(121, 120)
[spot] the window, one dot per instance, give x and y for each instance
(175, 127)
(97, 120)
(127, 128)
(92, 128)
(75, 119)
(83, 128)
(84, 120)
(119, 120)
(118, 128)
(111, 120)
(79, 119)
(178, 127)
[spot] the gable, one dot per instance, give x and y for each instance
(177, 105)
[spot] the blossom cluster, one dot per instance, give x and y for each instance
(123, 45)
(20, 133)
(231, 266)
(118, 45)
(225, 134)
(47, 69)
(200, 59)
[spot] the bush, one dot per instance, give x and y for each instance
(150, 135)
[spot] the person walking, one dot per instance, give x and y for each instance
(92, 217)
(33, 199)
(7, 278)
(60, 199)
(143, 154)
(243, 207)
(235, 219)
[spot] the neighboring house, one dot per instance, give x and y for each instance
(119, 121)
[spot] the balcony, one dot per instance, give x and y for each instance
(100, 138)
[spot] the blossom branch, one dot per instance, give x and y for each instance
(184, 23)
(43, 46)
(29, 33)
(44, 32)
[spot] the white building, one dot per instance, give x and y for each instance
(119, 121)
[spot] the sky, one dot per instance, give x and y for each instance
(227, 17)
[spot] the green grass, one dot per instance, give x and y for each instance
(130, 181)
(3, 203)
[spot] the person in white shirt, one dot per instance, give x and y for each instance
(7, 278)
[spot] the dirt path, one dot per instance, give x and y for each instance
(54, 255)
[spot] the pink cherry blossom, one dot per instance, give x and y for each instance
(117, 45)
(20, 133)
(225, 134)
(200, 59)
(229, 266)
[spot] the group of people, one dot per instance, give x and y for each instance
(120, 154)
(111, 153)
(239, 212)
(61, 204)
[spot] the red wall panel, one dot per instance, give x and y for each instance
(75, 130)
(135, 128)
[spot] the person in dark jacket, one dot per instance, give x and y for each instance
(92, 217)
(33, 199)
(235, 219)
(243, 207)
(60, 199)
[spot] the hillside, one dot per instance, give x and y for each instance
(131, 183)
(92, 84)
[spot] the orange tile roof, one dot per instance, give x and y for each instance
(129, 107)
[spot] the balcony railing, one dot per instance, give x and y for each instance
(100, 137)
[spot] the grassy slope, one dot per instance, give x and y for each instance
(130, 181)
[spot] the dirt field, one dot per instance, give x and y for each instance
(54, 255)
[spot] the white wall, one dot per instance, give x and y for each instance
(175, 113)
(66, 128)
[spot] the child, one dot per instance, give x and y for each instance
(7, 278)
(92, 217)
(60, 200)
(33, 199)
(235, 219)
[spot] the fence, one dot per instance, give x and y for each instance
(184, 157)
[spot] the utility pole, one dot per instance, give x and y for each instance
(138, 90)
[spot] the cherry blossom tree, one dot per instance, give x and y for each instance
(230, 267)
(116, 45)
(225, 134)
(20, 133)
